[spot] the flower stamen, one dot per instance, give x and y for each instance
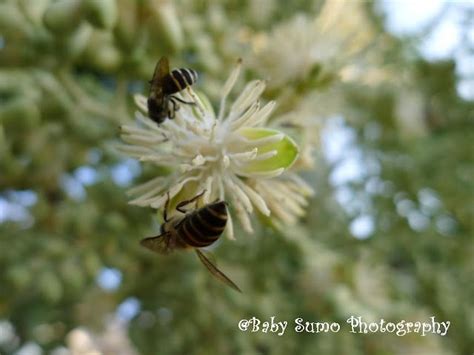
(229, 156)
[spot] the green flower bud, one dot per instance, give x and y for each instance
(101, 13)
(19, 275)
(286, 150)
(50, 286)
(55, 98)
(34, 9)
(11, 20)
(102, 54)
(79, 40)
(57, 248)
(165, 25)
(63, 15)
(115, 222)
(144, 66)
(92, 263)
(204, 46)
(72, 274)
(126, 30)
(19, 114)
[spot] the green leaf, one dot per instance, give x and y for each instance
(63, 16)
(286, 150)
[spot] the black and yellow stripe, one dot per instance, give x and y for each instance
(204, 226)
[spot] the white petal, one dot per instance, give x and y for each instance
(199, 105)
(307, 189)
(225, 161)
(141, 102)
(262, 174)
(256, 199)
(262, 141)
(175, 189)
(143, 140)
(220, 184)
(243, 217)
(149, 123)
(267, 155)
(260, 118)
(159, 202)
(279, 211)
(199, 160)
(142, 188)
(238, 121)
(207, 195)
(229, 230)
(245, 156)
(238, 194)
(127, 129)
(229, 84)
(147, 186)
(133, 151)
(161, 159)
(251, 93)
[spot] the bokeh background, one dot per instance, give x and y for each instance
(384, 91)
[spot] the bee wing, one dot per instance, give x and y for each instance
(215, 271)
(157, 244)
(162, 68)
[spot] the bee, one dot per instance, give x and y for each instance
(161, 102)
(196, 229)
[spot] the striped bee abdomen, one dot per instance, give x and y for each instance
(204, 226)
(178, 80)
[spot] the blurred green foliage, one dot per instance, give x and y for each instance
(68, 69)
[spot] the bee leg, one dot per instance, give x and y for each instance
(171, 111)
(180, 205)
(165, 211)
(182, 101)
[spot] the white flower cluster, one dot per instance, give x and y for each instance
(231, 156)
(296, 46)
